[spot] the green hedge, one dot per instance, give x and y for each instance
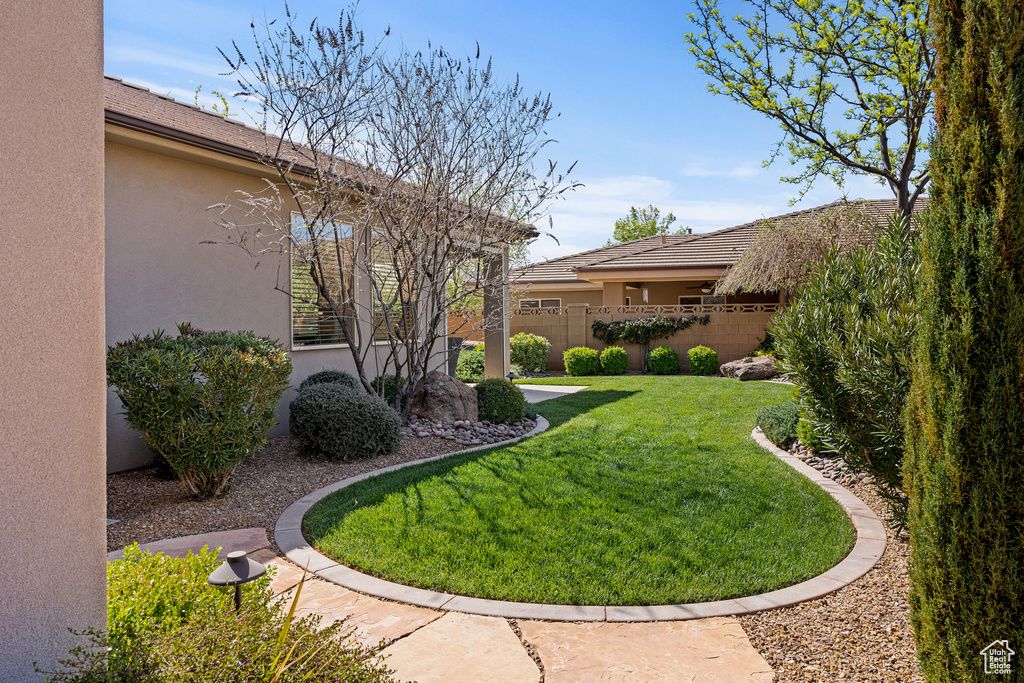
(331, 377)
(337, 422)
(203, 401)
(703, 361)
(470, 366)
(614, 360)
(500, 401)
(530, 351)
(663, 361)
(779, 422)
(580, 361)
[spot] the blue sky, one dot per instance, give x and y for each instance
(635, 111)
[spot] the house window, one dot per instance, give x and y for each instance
(689, 301)
(314, 323)
(540, 303)
(393, 303)
(627, 301)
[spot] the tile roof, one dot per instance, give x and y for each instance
(135, 107)
(720, 248)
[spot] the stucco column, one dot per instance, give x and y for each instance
(52, 378)
(614, 294)
(496, 312)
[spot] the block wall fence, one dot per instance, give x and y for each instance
(732, 331)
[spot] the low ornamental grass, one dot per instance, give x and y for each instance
(644, 491)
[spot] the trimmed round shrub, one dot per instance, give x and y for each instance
(703, 361)
(663, 361)
(500, 401)
(807, 435)
(337, 422)
(470, 366)
(203, 401)
(614, 360)
(779, 422)
(331, 377)
(580, 361)
(529, 351)
(389, 383)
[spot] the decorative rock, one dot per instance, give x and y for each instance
(445, 398)
(760, 367)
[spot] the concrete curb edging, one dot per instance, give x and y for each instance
(866, 552)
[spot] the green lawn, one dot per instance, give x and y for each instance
(646, 490)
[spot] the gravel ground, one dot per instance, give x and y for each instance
(151, 508)
(859, 633)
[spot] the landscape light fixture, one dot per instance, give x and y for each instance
(238, 569)
(511, 376)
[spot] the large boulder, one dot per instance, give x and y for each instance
(445, 398)
(757, 367)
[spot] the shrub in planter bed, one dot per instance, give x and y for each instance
(807, 435)
(203, 401)
(388, 382)
(500, 401)
(663, 361)
(529, 351)
(470, 366)
(166, 624)
(335, 421)
(580, 361)
(331, 377)
(703, 361)
(614, 360)
(779, 422)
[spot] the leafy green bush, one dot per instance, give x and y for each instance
(703, 361)
(580, 361)
(385, 386)
(331, 377)
(470, 366)
(779, 422)
(766, 347)
(845, 343)
(167, 625)
(500, 401)
(203, 401)
(529, 351)
(806, 434)
(663, 361)
(334, 421)
(530, 412)
(614, 360)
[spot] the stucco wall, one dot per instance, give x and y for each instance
(159, 271)
(52, 484)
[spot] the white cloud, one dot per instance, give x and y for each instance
(168, 57)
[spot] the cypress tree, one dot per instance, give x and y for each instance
(964, 469)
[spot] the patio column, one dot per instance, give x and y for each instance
(496, 312)
(53, 378)
(614, 294)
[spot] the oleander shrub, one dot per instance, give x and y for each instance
(500, 401)
(663, 361)
(337, 422)
(470, 366)
(703, 361)
(846, 343)
(203, 401)
(580, 361)
(166, 624)
(331, 377)
(529, 351)
(779, 422)
(385, 386)
(614, 360)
